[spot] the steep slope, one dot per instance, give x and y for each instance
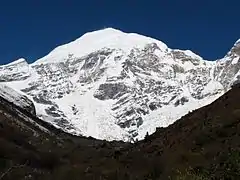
(17, 98)
(201, 145)
(21, 111)
(33, 149)
(114, 85)
(17, 70)
(228, 67)
(204, 144)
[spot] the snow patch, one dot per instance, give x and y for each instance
(235, 60)
(213, 87)
(21, 60)
(167, 115)
(237, 42)
(93, 116)
(14, 96)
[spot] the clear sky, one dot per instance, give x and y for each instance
(32, 28)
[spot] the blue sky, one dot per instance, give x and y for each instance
(32, 28)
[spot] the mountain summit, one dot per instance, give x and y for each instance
(119, 86)
(96, 40)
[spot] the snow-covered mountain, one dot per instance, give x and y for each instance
(118, 86)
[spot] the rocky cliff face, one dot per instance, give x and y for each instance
(15, 71)
(117, 86)
(17, 98)
(227, 68)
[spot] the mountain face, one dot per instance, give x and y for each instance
(120, 86)
(203, 144)
(16, 98)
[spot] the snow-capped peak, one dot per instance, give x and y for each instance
(189, 53)
(96, 40)
(16, 70)
(114, 85)
(237, 42)
(19, 61)
(104, 32)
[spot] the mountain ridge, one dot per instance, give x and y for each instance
(120, 84)
(110, 29)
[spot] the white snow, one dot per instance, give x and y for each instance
(20, 69)
(167, 115)
(236, 77)
(190, 53)
(235, 60)
(212, 87)
(159, 53)
(20, 100)
(14, 96)
(21, 60)
(238, 41)
(93, 41)
(94, 117)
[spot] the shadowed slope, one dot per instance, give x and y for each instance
(201, 145)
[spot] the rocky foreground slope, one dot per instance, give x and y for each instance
(120, 86)
(201, 145)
